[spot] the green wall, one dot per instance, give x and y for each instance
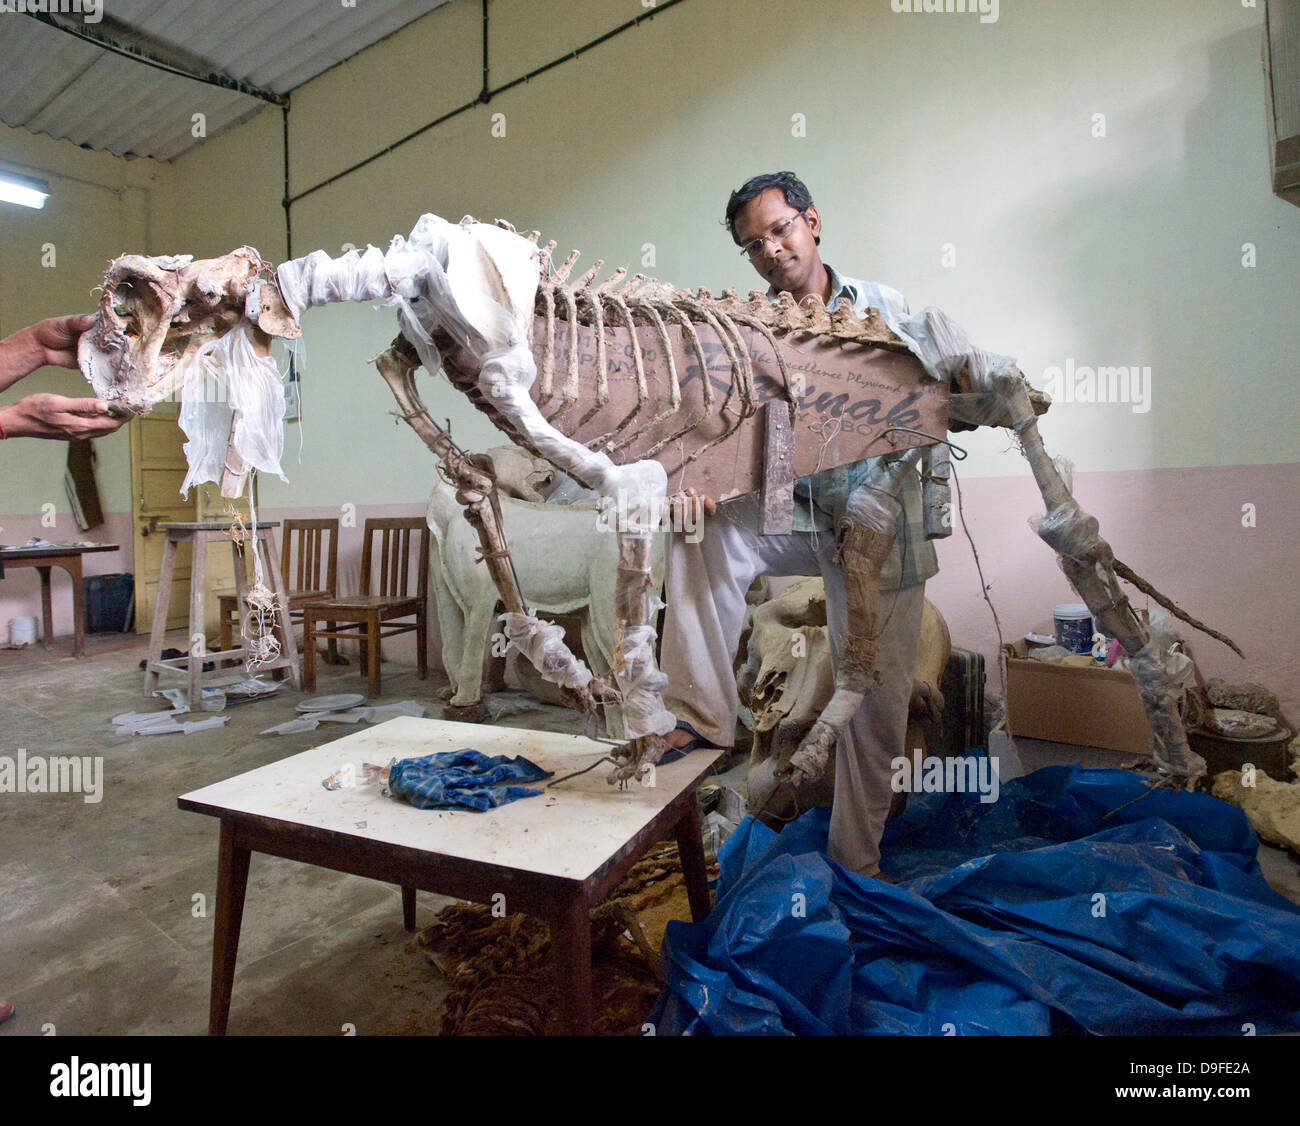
(51, 261)
(921, 133)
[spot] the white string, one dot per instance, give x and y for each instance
(257, 629)
(829, 434)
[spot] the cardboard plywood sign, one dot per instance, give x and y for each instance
(847, 394)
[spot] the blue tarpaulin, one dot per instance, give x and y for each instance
(1037, 913)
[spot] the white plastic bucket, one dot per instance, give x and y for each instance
(1073, 626)
(22, 631)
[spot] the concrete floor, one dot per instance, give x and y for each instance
(97, 901)
(97, 906)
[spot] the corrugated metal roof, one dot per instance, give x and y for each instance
(54, 83)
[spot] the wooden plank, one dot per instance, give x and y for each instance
(846, 391)
(778, 469)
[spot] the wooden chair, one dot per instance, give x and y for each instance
(385, 596)
(308, 545)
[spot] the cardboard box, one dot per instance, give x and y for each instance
(1088, 707)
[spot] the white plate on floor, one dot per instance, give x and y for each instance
(338, 703)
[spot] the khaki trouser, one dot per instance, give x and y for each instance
(705, 592)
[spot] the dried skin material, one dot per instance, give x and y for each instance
(1238, 724)
(499, 967)
(1272, 807)
(1247, 697)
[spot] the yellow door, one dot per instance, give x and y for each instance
(158, 468)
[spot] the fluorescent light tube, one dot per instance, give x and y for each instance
(23, 190)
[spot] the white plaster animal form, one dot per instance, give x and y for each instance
(565, 560)
(656, 380)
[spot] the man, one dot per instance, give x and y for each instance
(772, 218)
(51, 341)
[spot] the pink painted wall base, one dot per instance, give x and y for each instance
(1220, 542)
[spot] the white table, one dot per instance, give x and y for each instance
(555, 856)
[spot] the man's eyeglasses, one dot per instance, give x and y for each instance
(754, 247)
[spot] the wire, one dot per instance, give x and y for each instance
(958, 453)
(997, 624)
(584, 770)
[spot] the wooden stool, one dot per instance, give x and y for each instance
(199, 535)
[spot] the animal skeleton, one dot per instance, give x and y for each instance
(654, 380)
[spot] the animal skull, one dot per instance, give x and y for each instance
(156, 313)
(786, 681)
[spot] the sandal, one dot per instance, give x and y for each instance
(698, 742)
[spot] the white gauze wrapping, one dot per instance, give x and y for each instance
(639, 487)
(946, 353)
(1155, 672)
(319, 279)
(944, 349)
(638, 490)
(543, 644)
(1070, 531)
(223, 376)
(411, 274)
(641, 684)
(477, 282)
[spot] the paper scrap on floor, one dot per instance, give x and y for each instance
(170, 723)
(376, 713)
(164, 723)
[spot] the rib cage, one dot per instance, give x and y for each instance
(706, 324)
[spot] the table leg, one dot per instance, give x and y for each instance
(198, 640)
(73, 567)
(159, 631)
(271, 568)
(47, 606)
(689, 834)
(308, 652)
(232, 882)
(571, 951)
(241, 603)
(408, 908)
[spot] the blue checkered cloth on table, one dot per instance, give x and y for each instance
(464, 779)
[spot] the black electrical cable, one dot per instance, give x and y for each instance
(486, 94)
(285, 201)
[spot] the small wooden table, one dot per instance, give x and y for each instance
(555, 856)
(69, 558)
